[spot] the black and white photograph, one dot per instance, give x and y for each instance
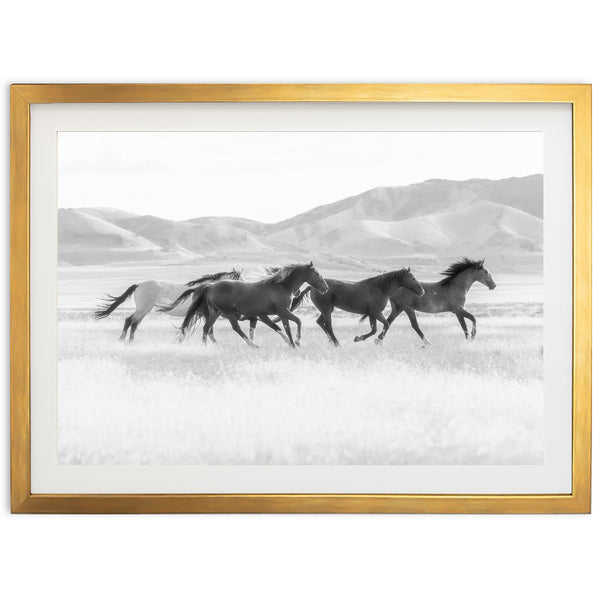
(300, 298)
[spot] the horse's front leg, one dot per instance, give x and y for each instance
(386, 326)
(270, 323)
(468, 315)
(236, 327)
(288, 330)
(412, 317)
(329, 325)
(292, 317)
(396, 310)
(461, 320)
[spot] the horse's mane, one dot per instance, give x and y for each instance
(280, 274)
(209, 277)
(271, 270)
(458, 267)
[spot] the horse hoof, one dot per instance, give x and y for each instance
(298, 343)
(253, 345)
(378, 341)
(357, 339)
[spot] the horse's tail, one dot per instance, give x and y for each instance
(112, 302)
(363, 318)
(179, 300)
(299, 299)
(196, 311)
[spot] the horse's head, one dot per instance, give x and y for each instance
(314, 279)
(484, 276)
(411, 283)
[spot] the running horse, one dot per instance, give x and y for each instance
(256, 300)
(154, 294)
(447, 295)
(367, 297)
(206, 310)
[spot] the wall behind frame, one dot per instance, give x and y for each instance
(292, 556)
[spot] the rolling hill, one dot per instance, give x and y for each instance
(432, 218)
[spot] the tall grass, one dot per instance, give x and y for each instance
(158, 402)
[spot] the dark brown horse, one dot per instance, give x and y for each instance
(447, 295)
(184, 299)
(367, 297)
(269, 296)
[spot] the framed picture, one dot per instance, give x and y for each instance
(301, 298)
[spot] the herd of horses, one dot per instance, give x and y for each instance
(275, 297)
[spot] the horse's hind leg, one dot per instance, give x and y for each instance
(412, 317)
(386, 326)
(126, 326)
(211, 335)
(135, 321)
(321, 324)
(134, 326)
(360, 338)
(396, 310)
(209, 321)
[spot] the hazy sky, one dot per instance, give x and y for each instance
(270, 176)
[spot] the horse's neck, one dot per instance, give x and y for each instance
(391, 283)
(293, 282)
(464, 280)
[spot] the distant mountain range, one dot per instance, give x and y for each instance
(438, 217)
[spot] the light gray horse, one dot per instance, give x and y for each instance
(155, 294)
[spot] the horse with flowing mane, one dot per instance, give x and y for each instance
(154, 294)
(172, 309)
(367, 297)
(447, 295)
(256, 300)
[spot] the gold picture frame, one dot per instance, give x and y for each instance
(23, 501)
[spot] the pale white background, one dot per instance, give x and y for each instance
(293, 556)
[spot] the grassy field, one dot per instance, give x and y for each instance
(158, 402)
